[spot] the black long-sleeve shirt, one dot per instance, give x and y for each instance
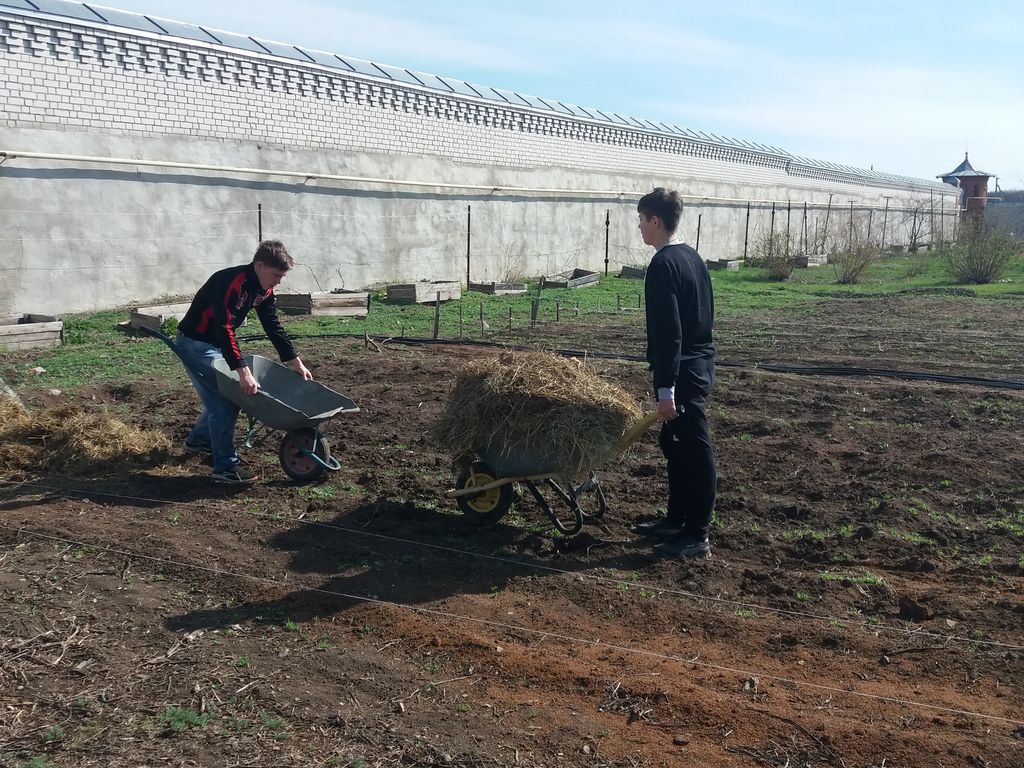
(221, 305)
(680, 308)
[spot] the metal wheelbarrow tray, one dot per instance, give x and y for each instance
(485, 490)
(288, 402)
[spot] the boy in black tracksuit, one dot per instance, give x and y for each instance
(681, 353)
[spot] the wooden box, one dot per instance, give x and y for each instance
(152, 318)
(811, 260)
(499, 289)
(578, 278)
(732, 265)
(635, 273)
(30, 332)
(338, 303)
(424, 292)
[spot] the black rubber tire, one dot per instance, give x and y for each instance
(296, 464)
(489, 506)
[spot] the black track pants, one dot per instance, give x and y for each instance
(692, 479)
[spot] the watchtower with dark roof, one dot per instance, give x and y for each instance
(973, 186)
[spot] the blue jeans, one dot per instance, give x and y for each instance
(216, 424)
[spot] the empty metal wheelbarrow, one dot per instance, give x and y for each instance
(283, 401)
(286, 401)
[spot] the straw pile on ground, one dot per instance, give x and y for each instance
(554, 408)
(70, 440)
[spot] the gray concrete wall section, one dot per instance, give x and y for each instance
(84, 235)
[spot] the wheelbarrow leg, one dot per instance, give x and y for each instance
(573, 496)
(570, 528)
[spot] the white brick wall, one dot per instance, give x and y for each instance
(110, 80)
(135, 234)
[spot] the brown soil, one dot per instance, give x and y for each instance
(862, 606)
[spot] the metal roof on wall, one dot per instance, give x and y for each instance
(154, 25)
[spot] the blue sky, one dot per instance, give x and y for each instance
(869, 83)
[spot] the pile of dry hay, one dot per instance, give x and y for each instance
(548, 405)
(70, 440)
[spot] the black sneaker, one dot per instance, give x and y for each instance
(198, 450)
(234, 476)
(661, 528)
(684, 546)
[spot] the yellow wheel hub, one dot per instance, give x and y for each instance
(487, 500)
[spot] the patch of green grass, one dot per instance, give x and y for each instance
(860, 576)
(912, 537)
(747, 613)
(323, 491)
(803, 597)
(805, 533)
(274, 725)
(242, 661)
(1007, 522)
(290, 626)
(38, 761)
(53, 733)
(181, 719)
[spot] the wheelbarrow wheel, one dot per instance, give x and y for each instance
(487, 506)
(295, 451)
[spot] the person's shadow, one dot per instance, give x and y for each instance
(397, 553)
(143, 489)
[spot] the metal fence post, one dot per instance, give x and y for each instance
(885, 221)
(437, 315)
(746, 233)
(469, 239)
(607, 223)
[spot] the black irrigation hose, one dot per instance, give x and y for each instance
(889, 373)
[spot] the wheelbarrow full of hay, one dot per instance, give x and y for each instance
(284, 401)
(485, 489)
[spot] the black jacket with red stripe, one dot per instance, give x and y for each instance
(221, 305)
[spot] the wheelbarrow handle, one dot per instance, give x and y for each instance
(638, 429)
(170, 343)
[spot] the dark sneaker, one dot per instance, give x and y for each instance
(234, 476)
(684, 546)
(198, 450)
(661, 528)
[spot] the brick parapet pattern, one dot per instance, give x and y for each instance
(105, 80)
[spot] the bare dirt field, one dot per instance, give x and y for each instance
(862, 606)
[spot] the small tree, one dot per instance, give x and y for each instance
(851, 250)
(982, 255)
(915, 221)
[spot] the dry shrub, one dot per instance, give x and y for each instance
(536, 401)
(72, 441)
(982, 256)
(852, 262)
(774, 253)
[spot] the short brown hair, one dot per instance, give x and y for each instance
(666, 204)
(274, 254)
